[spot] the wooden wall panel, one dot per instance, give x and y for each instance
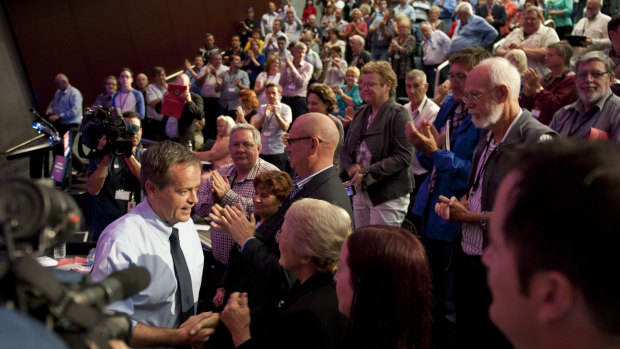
(90, 39)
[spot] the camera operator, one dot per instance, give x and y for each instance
(114, 182)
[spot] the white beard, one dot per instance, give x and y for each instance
(492, 118)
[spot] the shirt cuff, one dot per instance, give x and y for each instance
(246, 241)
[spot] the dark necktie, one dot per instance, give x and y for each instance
(184, 280)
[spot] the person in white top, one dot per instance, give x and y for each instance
(270, 75)
(273, 119)
(421, 108)
(154, 123)
(594, 27)
(533, 38)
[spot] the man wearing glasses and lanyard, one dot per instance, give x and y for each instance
(492, 99)
(447, 159)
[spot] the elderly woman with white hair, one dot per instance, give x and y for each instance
(310, 240)
(219, 155)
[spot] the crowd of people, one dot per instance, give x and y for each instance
(335, 145)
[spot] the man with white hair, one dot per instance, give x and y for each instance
(359, 56)
(597, 107)
(472, 30)
(492, 98)
(594, 27)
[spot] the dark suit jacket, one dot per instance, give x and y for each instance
(308, 318)
(191, 111)
(498, 12)
(389, 174)
(363, 58)
(525, 130)
(265, 283)
(263, 254)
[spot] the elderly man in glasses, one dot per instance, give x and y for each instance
(597, 108)
(447, 160)
(492, 99)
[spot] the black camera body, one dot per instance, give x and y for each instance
(106, 121)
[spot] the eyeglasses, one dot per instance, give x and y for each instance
(595, 74)
(476, 98)
(460, 77)
(293, 140)
(246, 145)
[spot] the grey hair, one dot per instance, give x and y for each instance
(520, 57)
(501, 72)
(230, 123)
(416, 73)
(359, 39)
(255, 131)
(464, 7)
(320, 230)
(596, 56)
(300, 45)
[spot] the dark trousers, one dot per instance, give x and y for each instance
(429, 70)
(441, 257)
(298, 105)
(473, 298)
(211, 107)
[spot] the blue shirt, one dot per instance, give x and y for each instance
(476, 32)
(447, 10)
(408, 10)
(68, 105)
(142, 238)
(229, 92)
(194, 87)
(378, 40)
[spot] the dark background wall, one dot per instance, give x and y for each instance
(90, 39)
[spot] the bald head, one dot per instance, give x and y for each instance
(62, 81)
(321, 126)
(313, 141)
(183, 79)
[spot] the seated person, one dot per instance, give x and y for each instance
(309, 242)
(271, 188)
(391, 262)
(114, 182)
(218, 154)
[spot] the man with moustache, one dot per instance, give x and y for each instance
(597, 107)
(492, 99)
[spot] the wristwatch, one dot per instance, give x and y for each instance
(484, 221)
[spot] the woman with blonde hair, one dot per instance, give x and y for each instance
(218, 155)
(270, 75)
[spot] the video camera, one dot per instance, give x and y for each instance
(33, 219)
(106, 121)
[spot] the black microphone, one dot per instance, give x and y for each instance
(118, 286)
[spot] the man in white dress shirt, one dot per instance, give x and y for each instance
(152, 236)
